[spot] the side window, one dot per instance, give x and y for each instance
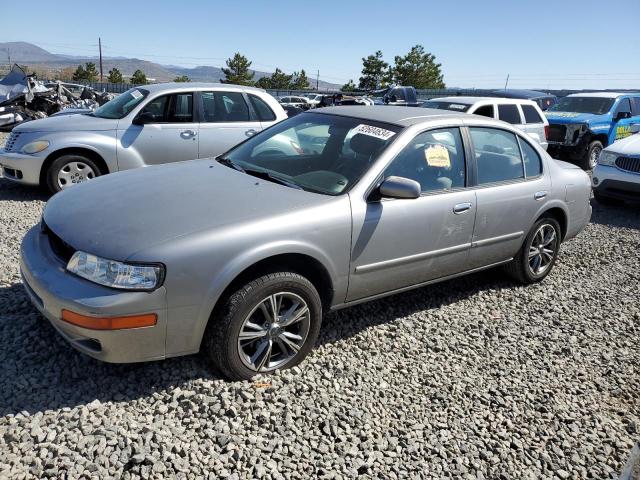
(623, 106)
(180, 108)
(263, 110)
(224, 107)
(176, 108)
(485, 111)
(635, 106)
(531, 114)
(497, 155)
(509, 114)
(434, 159)
(532, 161)
(157, 108)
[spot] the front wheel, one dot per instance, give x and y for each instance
(69, 170)
(270, 323)
(593, 154)
(538, 254)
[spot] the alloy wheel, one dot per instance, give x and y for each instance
(594, 156)
(74, 172)
(274, 331)
(542, 249)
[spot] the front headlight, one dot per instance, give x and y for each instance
(34, 147)
(111, 273)
(607, 158)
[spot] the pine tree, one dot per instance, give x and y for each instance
(115, 76)
(300, 80)
(139, 78)
(373, 71)
(418, 69)
(348, 87)
(237, 71)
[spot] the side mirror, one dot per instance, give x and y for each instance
(400, 187)
(622, 116)
(143, 118)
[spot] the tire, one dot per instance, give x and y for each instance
(240, 359)
(594, 150)
(522, 268)
(80, 169)
(604, 200)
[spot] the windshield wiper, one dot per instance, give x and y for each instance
(271, 178)
(227, 162)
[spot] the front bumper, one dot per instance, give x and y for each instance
(610, 181)
(51, 289)
(21, 168)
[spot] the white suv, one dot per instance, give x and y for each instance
(523, 114)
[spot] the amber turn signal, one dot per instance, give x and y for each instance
(109, 323)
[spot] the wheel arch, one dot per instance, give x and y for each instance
(559, 215)
(87, 152)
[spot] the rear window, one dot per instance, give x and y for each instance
(453, 106)
(531, 114)
(509, 114)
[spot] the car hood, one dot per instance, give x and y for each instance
(627, 146)
(65, 123)
(574, 117)
(117, 215)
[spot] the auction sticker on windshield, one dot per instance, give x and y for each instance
(372, 131)
(136, 94)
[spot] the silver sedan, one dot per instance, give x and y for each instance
(241, 255)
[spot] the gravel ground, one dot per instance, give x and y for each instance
(473, 378)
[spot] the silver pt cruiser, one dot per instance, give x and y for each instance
(240, 255)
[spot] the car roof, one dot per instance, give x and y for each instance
(401, 116)
(473, 100)
(190, 86)
(517, 93)
(602, 94)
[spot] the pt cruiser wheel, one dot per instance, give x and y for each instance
(69, 170)
(538, 254)
(270, 323)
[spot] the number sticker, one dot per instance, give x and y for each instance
(372, 131)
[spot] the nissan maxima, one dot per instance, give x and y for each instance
(240, 255)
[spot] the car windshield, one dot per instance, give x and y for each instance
(594, 105)
(441, 105)
(316, 152)
(120, 106)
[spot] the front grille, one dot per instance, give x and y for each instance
(557, 133)
(9, 146)
(62, 249)
(628, 164)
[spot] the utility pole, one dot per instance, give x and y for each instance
(507, 82)
(9, 54)
(318, 80)
(100, 49)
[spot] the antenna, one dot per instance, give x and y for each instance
(507, 82)
(318, 80)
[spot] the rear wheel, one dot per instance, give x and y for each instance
(270, 323)
(69, 170)
(538, 254)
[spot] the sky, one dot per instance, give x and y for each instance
(539, 44)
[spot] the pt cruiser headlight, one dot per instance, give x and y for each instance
(607, 158)
(116, 274)
(35, 147)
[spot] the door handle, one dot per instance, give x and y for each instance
(462, 207)
(540, 195)
(188, 133)
(250, 132)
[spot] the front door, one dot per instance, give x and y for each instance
(626, 118)
(170, 133)
(226, 121)
(511, 189)
(403, 242)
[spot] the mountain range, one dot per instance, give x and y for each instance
(25, 53)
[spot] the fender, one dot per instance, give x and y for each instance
(102, 143)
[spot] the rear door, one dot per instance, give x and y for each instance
(262, 111)
(510, 113)
(511, 185)
(225, 121)
(170, 136)
(534, 124)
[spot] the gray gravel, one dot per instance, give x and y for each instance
(473, 378)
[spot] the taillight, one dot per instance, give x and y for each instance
(546, 132)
